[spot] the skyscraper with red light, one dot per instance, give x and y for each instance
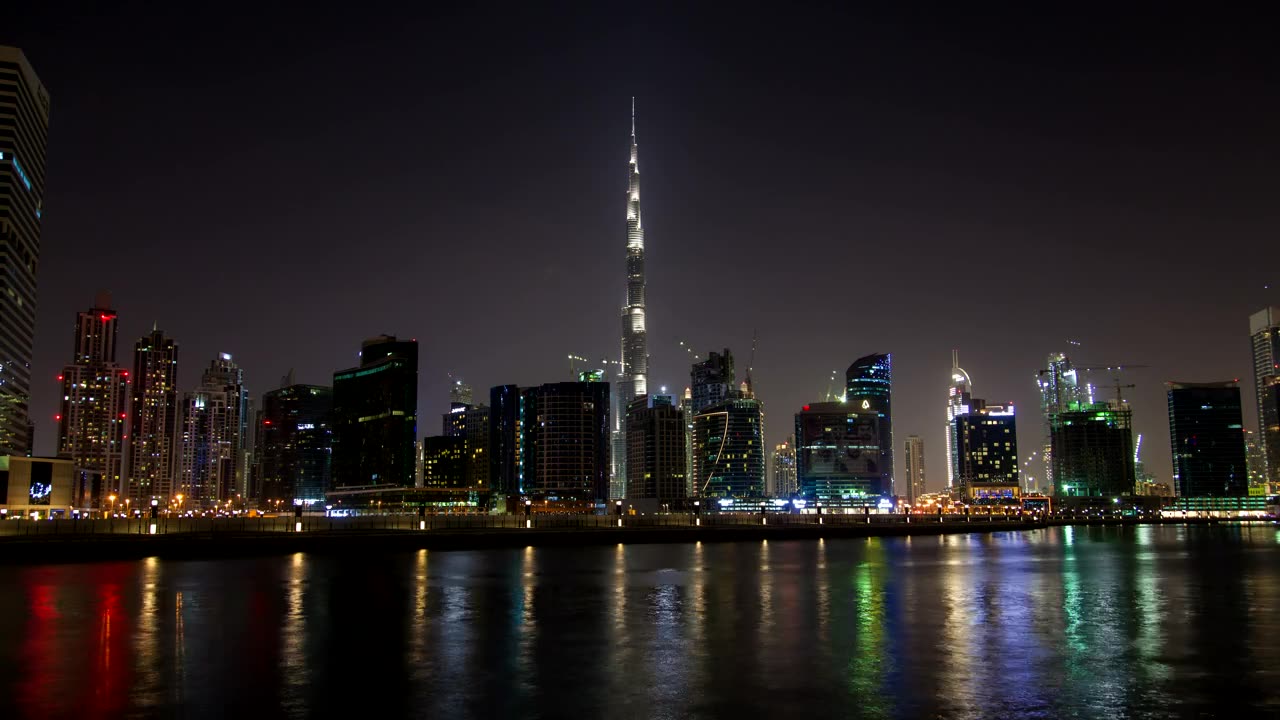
(91, 424)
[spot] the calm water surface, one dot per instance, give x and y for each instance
(1064, 622)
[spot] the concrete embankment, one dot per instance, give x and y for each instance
(205, 545)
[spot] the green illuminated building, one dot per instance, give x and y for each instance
(1092, 450)
(375, 414)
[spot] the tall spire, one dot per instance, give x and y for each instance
(634, 370)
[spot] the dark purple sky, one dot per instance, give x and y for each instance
(280, 185)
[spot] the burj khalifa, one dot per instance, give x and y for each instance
(634, 369)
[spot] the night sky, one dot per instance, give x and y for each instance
(282, 184)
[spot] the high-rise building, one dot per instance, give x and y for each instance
(1206, 433)
(24, 105)
(655, 450)
(959, 401)
(915, 468)
(470, 423)
(1253, 457)
(506, 410)
(454, 422)
(712, 381)
(1091, 446)
(1270, 414)
(295, 444)
(987, 454)
(634, 370)
(869, 391)
(459, 393)
(223, 375)
(1060, 389)
(95, 400)
(784, 483)
(1264, 334)
(686, 409)
(565, 441)
(444, 462)
(728, 450)
(839, 453)
(206, 462)
(375, 412)
(476, 434)
(153, 419)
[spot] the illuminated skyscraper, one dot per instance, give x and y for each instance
(915, 468)
(1264, 333)
(375, 416)
(655, 446)
(1091, 446)
(154, 418)
(712, 381)
(225, 376)
(295, 443)
(959, 400)
(444, 462)
(839, 456)
(459, 393)
(986, 467)
(506, 413)
(564, 441)
(869, 391)
(728, 449)
(1206, 434)
(95, 399)
(1059, 389)
(207, 460)
(634, 371)
(24, 107)
(784, 468)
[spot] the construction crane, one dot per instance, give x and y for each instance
(574, 359)
(1115, 369)
(831, 381)
(685, 346)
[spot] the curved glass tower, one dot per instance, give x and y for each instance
(868, 388)
(959, 402)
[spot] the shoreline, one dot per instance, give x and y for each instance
(213, 546)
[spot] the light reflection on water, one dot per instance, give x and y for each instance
(1086, 621)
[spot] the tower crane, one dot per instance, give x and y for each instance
(1115, 369)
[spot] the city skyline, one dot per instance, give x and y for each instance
(900, 182)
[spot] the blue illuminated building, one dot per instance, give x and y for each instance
(839, 454)
(868, 392)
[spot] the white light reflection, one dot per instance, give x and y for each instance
(293, 655)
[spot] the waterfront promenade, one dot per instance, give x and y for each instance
(24, 541)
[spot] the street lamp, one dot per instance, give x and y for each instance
(697, 512)
(528, 508)
(618, 507)
(112, 498)
(155, 509)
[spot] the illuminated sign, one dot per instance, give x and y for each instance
(306, 426)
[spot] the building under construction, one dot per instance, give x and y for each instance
(1091, 450)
